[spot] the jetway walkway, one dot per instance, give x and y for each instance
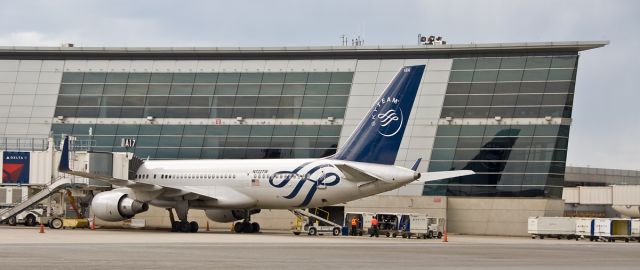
(62, 183)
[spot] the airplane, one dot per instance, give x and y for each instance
(231, 190)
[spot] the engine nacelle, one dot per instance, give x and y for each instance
(116, 206)
(225, 215)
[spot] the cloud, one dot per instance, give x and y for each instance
(29, 38)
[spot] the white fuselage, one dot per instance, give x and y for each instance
(268, 183)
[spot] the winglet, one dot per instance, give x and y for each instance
(64, 157)
(415, 166)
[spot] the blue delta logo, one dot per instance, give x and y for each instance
(388, 115)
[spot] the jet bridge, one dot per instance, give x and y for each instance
(35, 167)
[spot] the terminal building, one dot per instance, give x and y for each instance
(502, 110)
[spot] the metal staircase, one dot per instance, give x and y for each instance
(306, 213)
(61, 183)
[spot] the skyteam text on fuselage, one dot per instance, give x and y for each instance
(231, 190)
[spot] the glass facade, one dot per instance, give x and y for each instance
(511, 87)
(292, 95)
(509, 160)
(297, 95)
(211, 141)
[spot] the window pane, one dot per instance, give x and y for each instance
(296, 77)
(476, 112)
(502, 88)
(228, 78)
(139, 77)
(72, 77)
(262, 131)
(226, 89)
(513, 63)
(131, 112)
(455, 100)
(293, 89)
(510, 75)
(535, 75)
(239, 130)
(558, 87)
(538, 62)
(176, 112)
(248, 89)
(92, 89)
(458, 88)
(94, 77)
(532, 87)
(206, 78)
(198, 113)
(271, 89)
(333, 112)
(504, 112)
(472, 130)
(311, 113)
(556, 99)
(339, 89)
(479, 100)
(561, 74)
(68, 100)
(313, 101)
(529, 99)
(526, 112)
(217, 130)
(461, 76)
(114, 89)
(482, 88)
(452, 112)
(307, 131)
(136, 89)
(563, 62)
(341, 77)
(319, 77)
(336, 101)
(71, 89)
(488, 63)
(87, 112)
(285, 130)
(116, 77)
(159, 89)
(463, 63)
(133, 101)
(89, 101)
(250, 77)
(181, 89)
(161, 77)
(273, 78)
(203, 89)
(317, 89)
(268, 101)
(127, 130)
(504, 100)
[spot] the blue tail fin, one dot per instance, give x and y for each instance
(377, 138)
(63, 166)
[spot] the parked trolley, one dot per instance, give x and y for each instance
(364, 223)
(612, 229)
(388, 224)
(584, 229)
(414, 225)
(557, 227)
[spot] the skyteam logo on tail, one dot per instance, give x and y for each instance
(388, 118)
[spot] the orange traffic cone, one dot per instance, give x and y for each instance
(41, 228)
(444, 237)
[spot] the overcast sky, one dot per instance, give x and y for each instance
(606, 127)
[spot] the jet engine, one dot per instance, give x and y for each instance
(116, 206)
(225, 215)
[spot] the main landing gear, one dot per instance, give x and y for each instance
(246, 226)
(183, 225)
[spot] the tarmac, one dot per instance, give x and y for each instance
(24, 247)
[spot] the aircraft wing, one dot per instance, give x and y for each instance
(433, 176)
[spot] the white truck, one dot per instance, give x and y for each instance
(436, 227)
(414, 225)
(558, 227)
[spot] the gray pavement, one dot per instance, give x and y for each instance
(22, 248)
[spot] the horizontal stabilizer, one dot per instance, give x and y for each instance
(433, 176)
(355, 174)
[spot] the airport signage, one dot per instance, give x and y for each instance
(15, 167)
